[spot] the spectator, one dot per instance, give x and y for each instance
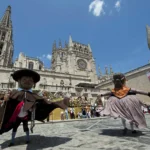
(66, 113)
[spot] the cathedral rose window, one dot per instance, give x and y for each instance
(82, 64)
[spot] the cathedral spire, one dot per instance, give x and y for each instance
(89, 47)
(54, 45)
(70, 41)
(111, 70)
(99, 71)
(6, 19)
(60, 45)
(106, 70)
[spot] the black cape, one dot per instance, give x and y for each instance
(43, 107)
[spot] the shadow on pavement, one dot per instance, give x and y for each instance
(119, 133)
(38, 142)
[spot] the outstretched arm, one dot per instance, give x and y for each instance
(141, 92)
(106, 94)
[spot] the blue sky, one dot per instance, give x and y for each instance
(115, 29)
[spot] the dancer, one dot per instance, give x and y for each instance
(124, 103)
(23, 105)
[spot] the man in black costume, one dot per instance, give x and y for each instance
(23, 105)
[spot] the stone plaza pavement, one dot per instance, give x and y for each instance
(91, 134)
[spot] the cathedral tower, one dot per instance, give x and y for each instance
(75, 58)
(6, 42)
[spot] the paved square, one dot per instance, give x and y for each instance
(104, 134)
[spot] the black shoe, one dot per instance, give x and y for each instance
(134, 132)
(11, 144)
(27, 142)
(125, 131)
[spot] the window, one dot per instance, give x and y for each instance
(1, 47)
(44, 81)
(4, 85)
(61, 82)
(3, 36)
(62, 54)
(20, 64)
(11, 85)
(85, 50)
(85, 90)
(40, 67)
(30, 65)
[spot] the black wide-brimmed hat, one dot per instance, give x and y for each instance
(26, 72)
(119, 76)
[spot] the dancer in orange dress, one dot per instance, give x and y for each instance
(123, 103)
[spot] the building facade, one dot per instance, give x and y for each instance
(70, 65)
(72, 71)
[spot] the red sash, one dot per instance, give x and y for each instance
(14, 115)
(16, 112)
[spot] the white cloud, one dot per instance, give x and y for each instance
(44, 57)
(118, 5)
(49, 56)
(96, 7)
